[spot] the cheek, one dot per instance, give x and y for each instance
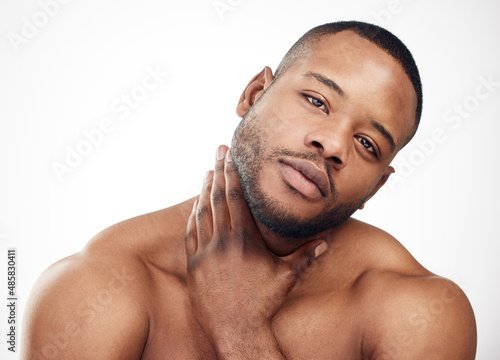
(354, 185)
(285, 131)
(283, 115)
(278, 122)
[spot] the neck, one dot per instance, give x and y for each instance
(278, 245)
(282, 246)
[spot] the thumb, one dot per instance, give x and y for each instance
(303, 257)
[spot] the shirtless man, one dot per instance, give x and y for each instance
(266, 263)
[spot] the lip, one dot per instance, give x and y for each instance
(311, 172)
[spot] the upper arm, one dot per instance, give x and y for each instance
(85, 308)
(425, 318)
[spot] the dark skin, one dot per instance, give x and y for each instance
(224, 247)
(205, 280)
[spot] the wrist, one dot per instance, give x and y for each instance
(248, 343)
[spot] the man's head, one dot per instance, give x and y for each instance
(377, 35)
(317, 138)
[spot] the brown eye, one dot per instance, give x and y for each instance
(317, 103)
(366, 144)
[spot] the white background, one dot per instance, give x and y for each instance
(64, 79)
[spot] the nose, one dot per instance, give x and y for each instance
(331, 145)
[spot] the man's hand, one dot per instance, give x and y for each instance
(235, 283)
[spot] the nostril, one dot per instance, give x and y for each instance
(317, 144)
(336, 160)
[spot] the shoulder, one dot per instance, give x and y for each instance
(418, 317)
(97, 303)
(408, 312)
(85, 303)
(368, 249)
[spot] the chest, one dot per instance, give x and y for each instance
(305, 328)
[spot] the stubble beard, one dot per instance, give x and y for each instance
(249, 150)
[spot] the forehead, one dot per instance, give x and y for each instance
(374, 83)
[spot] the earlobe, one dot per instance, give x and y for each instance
(254, 90)
(390, 170)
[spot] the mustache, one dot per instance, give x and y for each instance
(318, 160)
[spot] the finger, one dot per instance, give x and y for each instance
(302, 258)
(241, 217)
(218, 196)
(191, 237)
(204, 226)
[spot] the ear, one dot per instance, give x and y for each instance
(390, 170)
(254, 89)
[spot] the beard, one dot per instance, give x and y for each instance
(250, 150)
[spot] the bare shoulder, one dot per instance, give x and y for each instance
(408, 312)
(418, 317)
(375, 249)
(93, 304)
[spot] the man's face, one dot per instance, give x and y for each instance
(317, 143)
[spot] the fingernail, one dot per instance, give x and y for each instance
(221, 152)
(209, 176)
(320, 249)
(228, 156)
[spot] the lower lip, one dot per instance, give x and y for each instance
(300, 183)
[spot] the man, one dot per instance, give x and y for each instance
(266, 263)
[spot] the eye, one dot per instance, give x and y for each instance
(317, 103)
(366, 144)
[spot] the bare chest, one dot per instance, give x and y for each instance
(306, 328)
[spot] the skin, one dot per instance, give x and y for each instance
(205, 279)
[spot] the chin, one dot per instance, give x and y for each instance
(289, 215)
(295, 205)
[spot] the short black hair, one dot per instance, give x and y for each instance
(377, 35)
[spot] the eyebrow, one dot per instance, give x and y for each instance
(386, 134)
(326, 81)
